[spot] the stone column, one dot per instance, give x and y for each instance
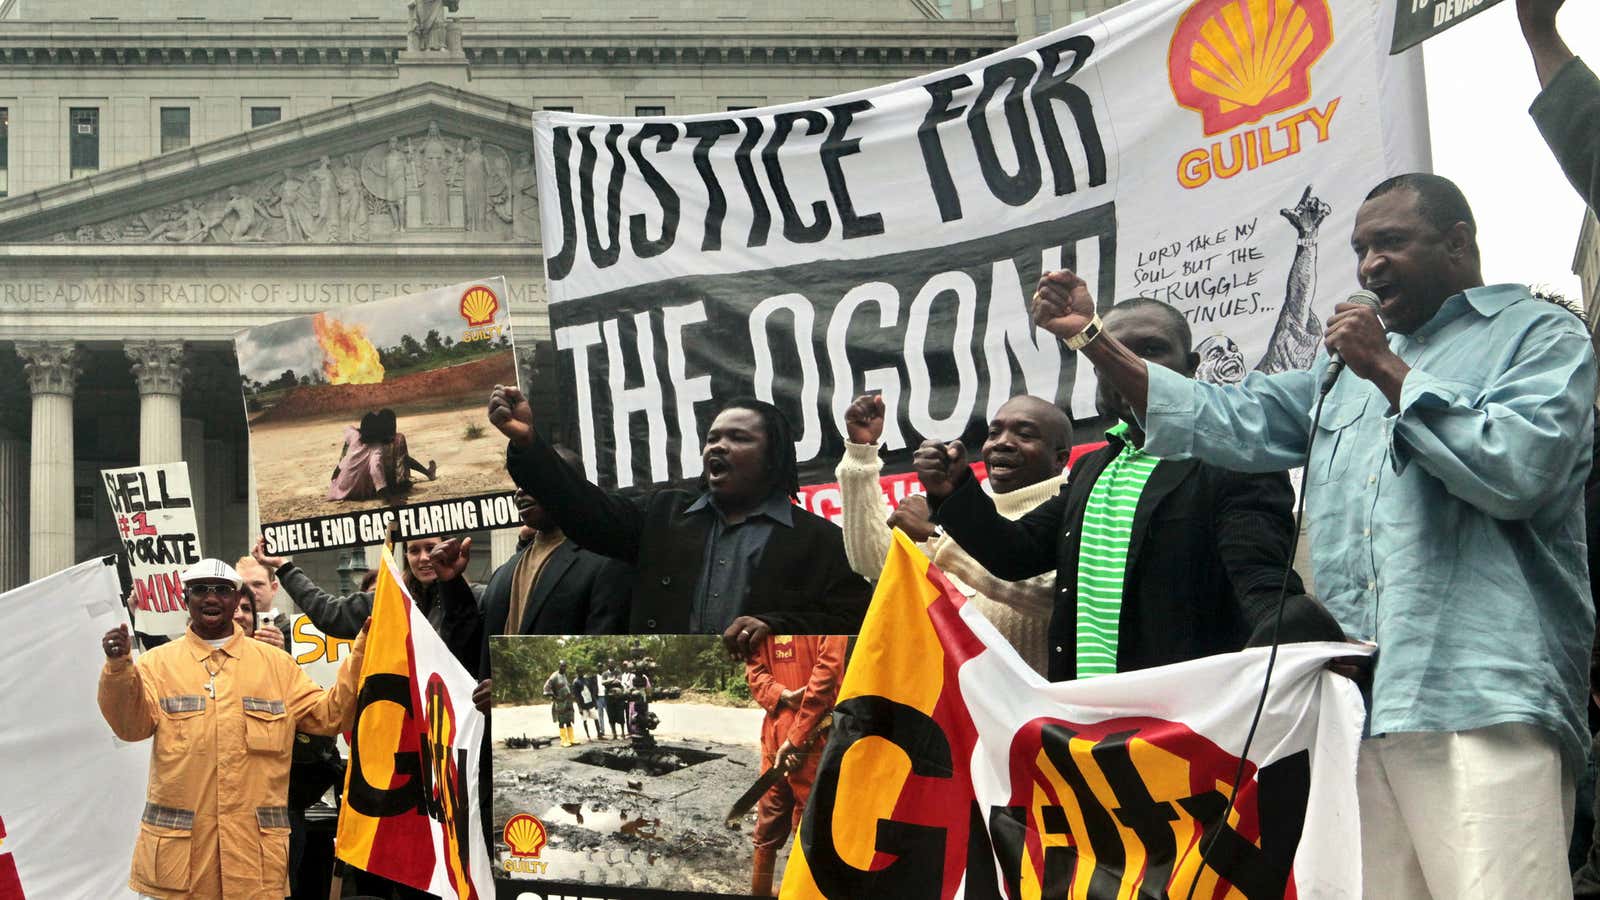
(158, 369)
(502, 545)
(53, 370)
(194, 453)
(13, 512)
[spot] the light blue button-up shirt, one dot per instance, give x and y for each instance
(1450, 531)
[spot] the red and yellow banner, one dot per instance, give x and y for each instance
(410, 809)
(955, 771)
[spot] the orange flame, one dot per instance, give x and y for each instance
(349, 358)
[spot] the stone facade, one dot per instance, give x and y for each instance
(1032, 17)
(309, 163)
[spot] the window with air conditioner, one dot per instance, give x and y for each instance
(83, 140)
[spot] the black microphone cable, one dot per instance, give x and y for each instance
(1272, 659)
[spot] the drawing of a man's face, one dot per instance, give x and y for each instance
(1221, 361)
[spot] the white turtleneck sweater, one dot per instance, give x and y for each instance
(1019, 610)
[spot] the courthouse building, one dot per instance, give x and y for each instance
(172, 171)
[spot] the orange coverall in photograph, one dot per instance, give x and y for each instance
(796, 680)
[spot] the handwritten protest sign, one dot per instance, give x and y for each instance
(155, 519)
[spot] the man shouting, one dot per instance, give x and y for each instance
(735, 557)
(223, 710)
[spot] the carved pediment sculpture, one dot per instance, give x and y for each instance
(424, 187)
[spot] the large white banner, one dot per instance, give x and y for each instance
(1208, 153)
(954, 770)
(70, 792)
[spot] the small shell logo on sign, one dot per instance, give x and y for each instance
(1238, 61)
(478, 306)
(525, 835)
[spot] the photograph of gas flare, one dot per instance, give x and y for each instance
(379, 404)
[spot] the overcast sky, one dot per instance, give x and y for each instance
(1480, 83)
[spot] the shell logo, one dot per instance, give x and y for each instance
(525, 835)
(478, 305)
(1238, 61)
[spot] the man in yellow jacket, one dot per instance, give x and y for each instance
(224, 710)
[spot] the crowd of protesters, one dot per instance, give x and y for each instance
(1446, 479)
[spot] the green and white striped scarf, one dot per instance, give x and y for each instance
(1103, 553)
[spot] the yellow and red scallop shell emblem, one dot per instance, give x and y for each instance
(1238, 61)
(525, 835)
(478, 305)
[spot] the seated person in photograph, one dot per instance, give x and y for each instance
(736, 557)
(1156, 561)
(434, 574)
(1025, 454)
(375, 461)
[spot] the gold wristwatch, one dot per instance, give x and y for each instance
(1085, 337)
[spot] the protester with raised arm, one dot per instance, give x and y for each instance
(1445, 478)
(736, 557)
(223, 710)
(1155, 560)
(1567, 109)
(1025, 454)
(434, 574)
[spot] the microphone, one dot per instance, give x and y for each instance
(1335, 363)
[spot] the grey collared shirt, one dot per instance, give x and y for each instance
(732, 553)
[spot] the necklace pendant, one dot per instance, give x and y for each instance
(211, 688)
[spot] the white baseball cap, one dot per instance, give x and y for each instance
(211, 570)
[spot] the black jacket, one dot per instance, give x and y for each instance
(1206, 558)
(452, 608)
(577, 592)
(1566, 112)
(803, 584)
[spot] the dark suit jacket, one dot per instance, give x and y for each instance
(803, 584)
(1566, 113)
(1207, 554)
(577, 592)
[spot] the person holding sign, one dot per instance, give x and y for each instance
(434, 576)
(223, 710)
(1163, 560)
(1025, 454)
(1444, 474)
(736, 557)
(1567, 109)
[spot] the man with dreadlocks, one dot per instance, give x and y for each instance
(736, 557)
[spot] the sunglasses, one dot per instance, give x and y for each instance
(221, 590)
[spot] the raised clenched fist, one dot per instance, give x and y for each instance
(863, 419)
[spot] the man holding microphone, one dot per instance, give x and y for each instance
(1445, 482)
